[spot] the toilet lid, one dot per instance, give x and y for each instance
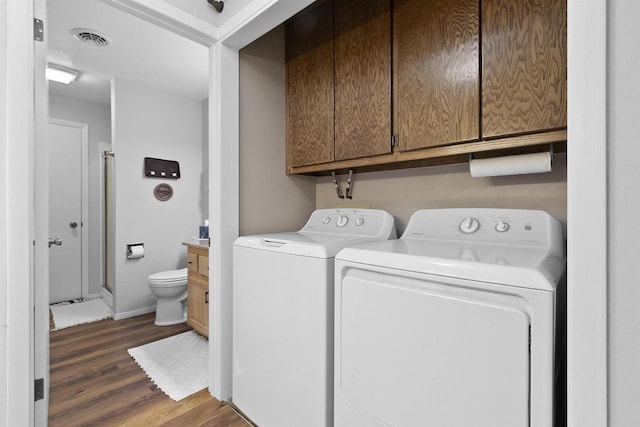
(169, 276)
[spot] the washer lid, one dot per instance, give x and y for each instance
(521, 266)
(315, 245)
(169, 276)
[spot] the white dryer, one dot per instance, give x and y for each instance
(283, 316)
(453, 324)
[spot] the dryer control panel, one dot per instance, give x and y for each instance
(491, 226)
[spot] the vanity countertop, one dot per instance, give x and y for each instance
(196, 244)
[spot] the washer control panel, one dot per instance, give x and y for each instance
(361, 222)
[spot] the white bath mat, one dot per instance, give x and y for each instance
(178, 365)
(66, 315)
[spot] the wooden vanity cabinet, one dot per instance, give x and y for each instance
(524, 66)
(436, 72)
(198, 289)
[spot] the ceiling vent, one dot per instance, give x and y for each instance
(90, 37)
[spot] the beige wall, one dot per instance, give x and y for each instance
(402, 192)
(270, 201)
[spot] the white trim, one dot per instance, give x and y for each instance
(170, 18)
(41, 219)
(18, 191)
(4, 207)
(134, 313)
(224, 184)
(587, 214)
(257, 19)
(84, 130)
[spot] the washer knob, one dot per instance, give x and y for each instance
(342, 221)
(359, 222)
(469, 225)
(326, 220)
(502, 226)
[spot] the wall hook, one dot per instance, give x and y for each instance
(336, 185)
(349, 187)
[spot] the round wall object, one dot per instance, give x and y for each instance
(163, 192)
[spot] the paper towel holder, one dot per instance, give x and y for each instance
(130, 247)
(550, 153)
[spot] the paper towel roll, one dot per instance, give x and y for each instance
(511, 165)
(135, 252)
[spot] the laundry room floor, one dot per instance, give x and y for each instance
(94, 381)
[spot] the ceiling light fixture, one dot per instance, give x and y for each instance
(60, 74)
(217, 5)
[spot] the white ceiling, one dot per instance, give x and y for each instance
(140, 51)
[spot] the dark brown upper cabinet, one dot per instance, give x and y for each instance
(362, 45)
(524, 66)
(309, 75)
(447, 77)
(436, 72)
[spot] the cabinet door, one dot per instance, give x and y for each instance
(198, 306)
(309, 65)
(203, 265)
(524, 66)
(436, 72)
(362, 40)
(192, 261)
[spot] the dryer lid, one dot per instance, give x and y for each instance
(526, 267)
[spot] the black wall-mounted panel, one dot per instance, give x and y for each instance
(159, 168)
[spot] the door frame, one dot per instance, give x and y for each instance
(586, 303)
(84, 215)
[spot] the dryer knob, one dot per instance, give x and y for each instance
(359, 221)
(326, 220)
(502, 226)
(469, 225)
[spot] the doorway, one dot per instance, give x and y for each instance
(67, 210)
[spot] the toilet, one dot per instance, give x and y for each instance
(170, 288)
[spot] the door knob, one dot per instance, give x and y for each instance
(73, 224)
(57, 241)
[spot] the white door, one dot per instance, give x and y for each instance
(65, 212)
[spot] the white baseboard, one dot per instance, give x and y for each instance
(133, 313)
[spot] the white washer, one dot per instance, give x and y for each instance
(283, 316)
(453, 324)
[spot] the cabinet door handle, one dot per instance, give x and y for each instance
(206, 297)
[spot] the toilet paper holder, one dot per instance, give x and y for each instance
(135, 250)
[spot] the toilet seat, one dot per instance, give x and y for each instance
(170, 277)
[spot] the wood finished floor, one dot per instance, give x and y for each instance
(94, 381)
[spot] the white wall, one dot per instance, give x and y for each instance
(402, 192)
(150, 123)
(98, 117)
(623, 213)
(270, 201)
